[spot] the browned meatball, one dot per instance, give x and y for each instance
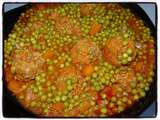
(64, 25)
(85, 52)
(125, 77)
(26, 64)
(119, 52)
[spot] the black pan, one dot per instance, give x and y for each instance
(12, 108)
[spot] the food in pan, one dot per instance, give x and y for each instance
(79, 60)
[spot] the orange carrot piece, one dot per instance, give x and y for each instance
(85, 9)
(88, 70)
(86, 105)
(57, 106)
(8, 74)
(95, 28)
(48, 54)
(15, 86)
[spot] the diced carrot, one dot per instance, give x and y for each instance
(88, 70)
(40, 6)
(8, 74)
(85, 9)
(62, 86)
(57, 106)
(109, 92)
(112, 49)
(138, 67)
(75, 111)
(110, 58)
(23, 55)
(29, 96)
(98, 99)
(132, 22)
(92, 91)
(77, 89)
(41, 39)
(86, 105)
(95, 28)
(97, 112)
(15, 86)
(48, 54)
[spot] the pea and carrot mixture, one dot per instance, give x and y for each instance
(79, 60)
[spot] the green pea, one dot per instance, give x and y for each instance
(76, 97)
(69, 87)
(55, 61)
(125, 55)
(103, 96)
(40, 93)
(146, 88)
(142, 85)
(49, 94)
(49, 100)
(134, 91)
(93, 103)
(95, 68)
(21, 97)
(67, 64)
(43, 97)
(35, 89)
(119, 102)
(84, 84)
(140, 77)
(33, 104)
(46, 110)
(136, 97)
(104, 110)
(113, 99)
(126, 35)
(57, 98)
(66, 104)
(94, 75)
(69, 59)
(113, 80)
(38, 78)
(103, 80)
(97, 87)
(43, 80)
(43, 75)
(129, 51)
(120, 108)
(53, 87)
(124, 61)
(50, 68)
(150, 79)
(133, 84)
(125, 43)
(142, 93)
(64, 98)
(40, 88)
(124, 99)
(129, 59)
(62, 65)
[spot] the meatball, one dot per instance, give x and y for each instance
(125, 77)
(26, 64)
(118, 51)
(69, 74)
(85, 52)
(64, 25)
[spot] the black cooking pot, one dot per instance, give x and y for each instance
(12, 108)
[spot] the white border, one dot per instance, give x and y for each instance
(158, 44)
